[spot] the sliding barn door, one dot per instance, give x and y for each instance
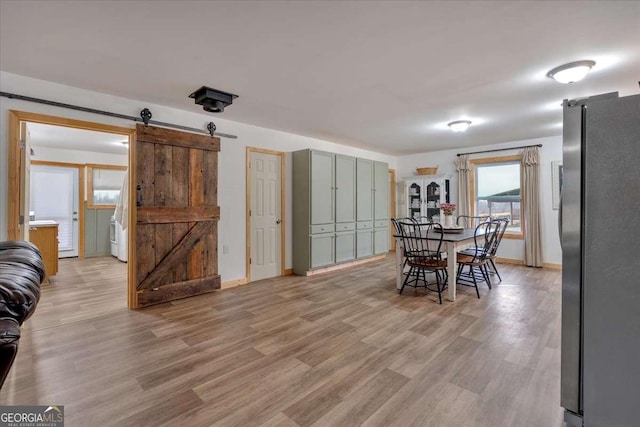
(177, 214)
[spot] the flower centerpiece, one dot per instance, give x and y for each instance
(447, 209)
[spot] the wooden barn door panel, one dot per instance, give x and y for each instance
(177, 217)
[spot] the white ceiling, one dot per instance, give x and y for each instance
(381, 75)
(75, 139)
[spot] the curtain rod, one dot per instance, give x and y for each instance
(144, 119)
(500, 149)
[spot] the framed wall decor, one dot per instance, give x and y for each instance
(556, 183)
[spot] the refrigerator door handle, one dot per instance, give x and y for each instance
(560, 219)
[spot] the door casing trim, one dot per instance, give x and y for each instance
(248, 208)
(13, 184)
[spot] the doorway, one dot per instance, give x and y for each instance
(45, 164)
(265, 214)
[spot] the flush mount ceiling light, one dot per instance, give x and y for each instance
(459, 125)
(571, 72)
(212, 100)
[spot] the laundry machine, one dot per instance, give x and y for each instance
(113, 236)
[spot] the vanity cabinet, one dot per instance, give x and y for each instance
(44, 234)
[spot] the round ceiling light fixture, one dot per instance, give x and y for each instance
(571, 72)
(459, 125)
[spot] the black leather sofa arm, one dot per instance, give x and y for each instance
(21, 274)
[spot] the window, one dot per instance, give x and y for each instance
(496, 191)
(104, 183)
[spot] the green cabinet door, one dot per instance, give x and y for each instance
(364, 243)
(381, 190)
(322, 198)
(345, 188)
(322, 250)
(345, 246)
(381, 240)
(364, 190)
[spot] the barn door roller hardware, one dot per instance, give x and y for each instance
(142, 119)
(146, 115)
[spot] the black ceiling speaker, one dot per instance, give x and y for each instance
(212, 100)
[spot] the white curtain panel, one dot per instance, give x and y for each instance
(121, 213)
(531, 190)
(464, 198)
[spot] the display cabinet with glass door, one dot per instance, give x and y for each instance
(424, 196)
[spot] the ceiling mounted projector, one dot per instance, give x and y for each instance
(212, 100)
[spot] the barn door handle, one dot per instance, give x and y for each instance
(139, 195)
(278, 221)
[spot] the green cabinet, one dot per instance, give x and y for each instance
(364, 239)
(364, 190)
(381, 187)
(333, 208)
(345, 188)
(372, 207)
(322, 250)
(381, 240)
(380, 191)
(322, 187)
(345, 246)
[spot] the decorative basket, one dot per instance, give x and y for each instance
(427, 171)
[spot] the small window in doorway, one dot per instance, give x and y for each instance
(103, 185)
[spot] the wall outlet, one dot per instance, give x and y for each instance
(225, 249)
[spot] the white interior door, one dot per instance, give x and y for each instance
(54, 196)
(265, 219)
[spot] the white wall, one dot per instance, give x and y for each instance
(231, 163)
(510, 248)
(51, 154)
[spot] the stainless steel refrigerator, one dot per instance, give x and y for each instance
(600, 235)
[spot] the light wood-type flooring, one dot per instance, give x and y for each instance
(338, 349)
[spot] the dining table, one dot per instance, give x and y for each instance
(453, 241)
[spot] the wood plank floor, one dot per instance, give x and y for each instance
(339, 349)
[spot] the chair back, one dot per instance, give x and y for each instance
(414, 236)
(502, 224)
(484, 238)
(468, 221)
(421, 219)
(396, 223)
